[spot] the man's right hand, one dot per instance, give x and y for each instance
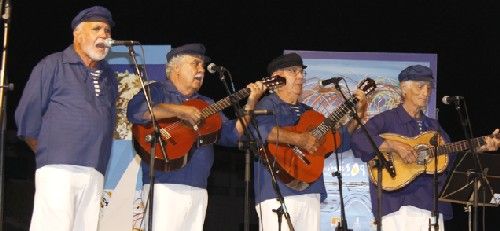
(405, 151)
(188, 113)
(32, 143)
(308, 142)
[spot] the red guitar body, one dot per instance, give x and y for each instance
(291, 169)
(177, 136)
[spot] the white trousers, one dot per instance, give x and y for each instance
(177, 207)
(67, 198)
(409, 218)
(304, 213)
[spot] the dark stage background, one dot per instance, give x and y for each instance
(243, 36)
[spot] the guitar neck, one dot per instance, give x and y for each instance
(224, 103)
(461, 145)
(334, 118)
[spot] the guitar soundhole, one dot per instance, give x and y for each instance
(423, 155)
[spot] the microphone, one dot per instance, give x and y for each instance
(212, 68)
(109, 42)
(334, 80)
(257, 112)
(7, 10)
(451, 99)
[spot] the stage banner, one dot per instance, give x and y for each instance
(354, 67)
(122, 206)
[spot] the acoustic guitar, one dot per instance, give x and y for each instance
(178, 136)
(423, 145)
(296, 167)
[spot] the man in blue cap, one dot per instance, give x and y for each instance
(408, 208)
(301, 199)
(180, 196)
(66, 115)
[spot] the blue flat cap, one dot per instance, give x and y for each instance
(189, 49)
(416, 73)
(93, 14)
(283, 61)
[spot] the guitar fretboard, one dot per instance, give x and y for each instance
(334, 118)
(460, 145)
(224, 103)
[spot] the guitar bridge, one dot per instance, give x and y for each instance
(165, 134)
(300, 155)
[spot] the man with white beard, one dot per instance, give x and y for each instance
(66, 115)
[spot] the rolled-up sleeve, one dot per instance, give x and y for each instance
(34, 101)
(265, 123)
(360, 143)
(137, 106)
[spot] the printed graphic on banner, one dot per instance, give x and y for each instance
(354, 67)
(122, 208)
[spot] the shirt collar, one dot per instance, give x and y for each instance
(276, 100)
(170, 87)
(70, 56)
(405, 117)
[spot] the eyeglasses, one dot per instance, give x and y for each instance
(295, 70)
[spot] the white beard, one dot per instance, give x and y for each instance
(96, 56)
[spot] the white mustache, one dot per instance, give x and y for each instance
(100, 43)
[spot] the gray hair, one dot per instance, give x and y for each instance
(173, 62)
(403, 86)
(78, 27)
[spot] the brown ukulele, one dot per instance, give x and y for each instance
(422, 144)
(298, 168)
(179, 136)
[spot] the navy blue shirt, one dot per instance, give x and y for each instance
(195, 173)
(70, 110)
(284, 115)
(419, 192)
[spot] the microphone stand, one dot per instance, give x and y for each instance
(250, 146)
(250, 136)
(239, 116)
(342, 226)
(477, 173)
(281, 210)
(6, 21)
(381, 162)
(155, 138)
(433, 220)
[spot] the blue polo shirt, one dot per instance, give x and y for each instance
(419, 192)
(62, 108)
(195, 173)
(284, 115)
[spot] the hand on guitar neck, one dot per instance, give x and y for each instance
(361, 108)
(492, 142)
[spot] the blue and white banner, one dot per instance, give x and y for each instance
(122, 206)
